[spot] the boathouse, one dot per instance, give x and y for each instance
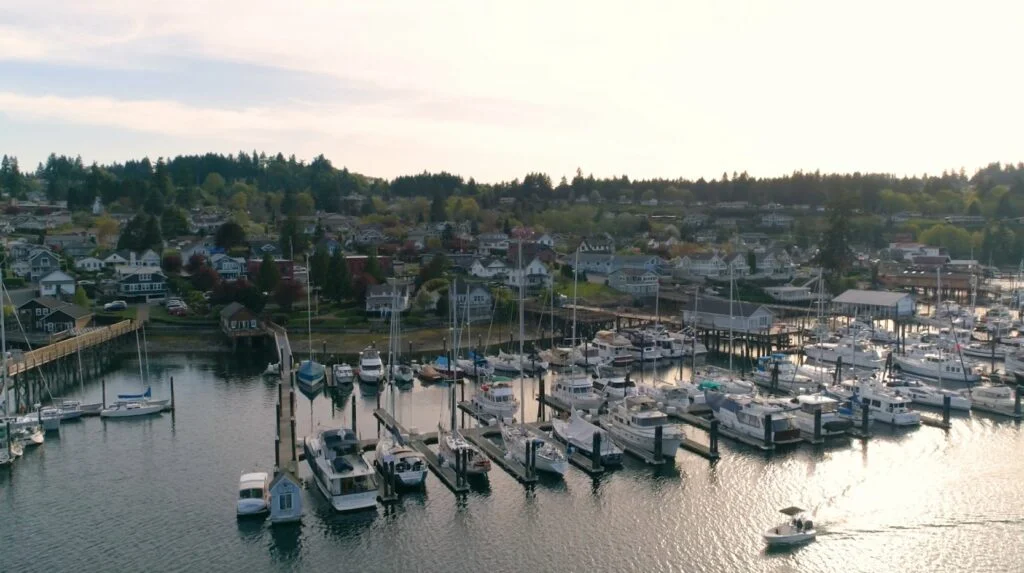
(237, 321)
(718, 314)
(874, 304)
(285, 499)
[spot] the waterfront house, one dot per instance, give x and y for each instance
(472, 300)
(369, 235)
(236, 318)
(66, 317)
(57, 283)
(546, 240)
(116, 259)
(32, 312)
(774, 219)
(637, 282)
(718, 313)
(736, 265)
(695, 220)
(380, 299)
(707, 264)
(141, 282)
(285, 499)
(89, 265)
(590, 262)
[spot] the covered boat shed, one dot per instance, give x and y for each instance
(875, 304)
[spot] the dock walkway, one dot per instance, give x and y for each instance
(287, 458)
(69, 346)
(419, 442)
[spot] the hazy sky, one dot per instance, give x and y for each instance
(497, 89)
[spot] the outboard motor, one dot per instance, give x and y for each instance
(808, 525)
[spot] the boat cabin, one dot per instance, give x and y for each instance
(285, 499)
(500, 392)
(815, 403)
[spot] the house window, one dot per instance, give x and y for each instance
(252, 323)
(285, 502)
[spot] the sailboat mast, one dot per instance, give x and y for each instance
(309, 309)
(138, 350)
(575, 280)
(3, 345)
(522, 376)
(730, 317)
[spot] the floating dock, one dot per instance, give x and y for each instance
(418, 442)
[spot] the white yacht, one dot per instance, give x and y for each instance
(935, 365)
(614, 387)
(253, 494)
(675, 398)
(589, 356)
(745, 415)
(999, 398)
(576, 389)
(51, 417)
(558, 357)
(713, 378)
(578, 433)
(410, 466)
(343, 374)
(475, 366)
(547, 457)
(885, 406)
(645, 351)
(921, 393)
(613, 348)
(669, 347)
(632, 422)
(507, 363)
(789, 377)
(497, 399)
(803, 408)
(371, 367)
(339, 469)
(854, 353)
(796, 531)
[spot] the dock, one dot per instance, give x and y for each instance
(418, 442)
(287, 458)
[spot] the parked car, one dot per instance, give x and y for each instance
(177, 311)
(115, 305)
(172, 301)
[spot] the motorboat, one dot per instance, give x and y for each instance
(633, 422)
(985, 351)
(589, 356)
(576, 389)
(578, 434)
(884, 405)
(712, 378)
(253, 494)
(475, 366)
(804, 408)
(921, 393)
(855, 353)
(371, 367)
(613, 348)
(547, 457)
(340, 470)
(747, 415)
(410, 465)
(797, 530)
(343, 374)
(505, 362)
(557, 357)
(73, 410)
(775, 371)
(936, 365)
(450, 444)
(131, 408)
(614, 387)
(50, 418)
(29, 431)
(402, 373)
(443, 366)
(10, 447)
(272, 369)
(310, 375)
(645, 351)
(427, 373)
(496, 399)
(675, 398)
(669, 347)
(998, 398)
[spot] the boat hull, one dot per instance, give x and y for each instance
(131, 412)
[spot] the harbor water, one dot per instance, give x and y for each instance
(157, 494)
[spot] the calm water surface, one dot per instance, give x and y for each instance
(157, 494)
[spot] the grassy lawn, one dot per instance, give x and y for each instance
(126, 314)
(590, 293)
(159, 314)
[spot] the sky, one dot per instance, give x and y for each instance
(495, 90)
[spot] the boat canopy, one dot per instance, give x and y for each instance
(791, 511)
(148, 393)
(441, 361)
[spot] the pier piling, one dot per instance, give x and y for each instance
(865, 419)
(291, 422)
(172, 393)
(354, 426)
(946, 406)
(103, 384)
(658, 445)
(1016, 401)
(540, 401)
(817, 426)
(768, 430)
(713, 438)
(595, 452)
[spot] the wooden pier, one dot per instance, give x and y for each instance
(287, 460)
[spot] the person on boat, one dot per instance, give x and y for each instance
(799, 524)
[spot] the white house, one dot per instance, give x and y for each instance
(380, 299)
(593, 262)
(546, 240)
(695, 220)
(89, 264)
(149, 258)
(488, 269)
(874, 304)
(736, 265)
(532, 276)
(489, 242)
(227, 267)
(56, 284)
(789, 293)
(636, 282)
(719, 313)
(116, 259)
(702, 264)
(473, 300)
(775, 219)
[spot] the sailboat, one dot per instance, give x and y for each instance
(410, 465)
(575, 387)
(310, 375)
(397, 372)
(517, 438)
(134, 405)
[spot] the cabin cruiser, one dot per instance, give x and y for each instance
(451, 443)
(856, 353)
(28, 431)
(340, 471)
(633, 422)
(496, 399)
(410, 465)
(576, 389)
(371, 367)
(797, 530)
(557, 357)
(675, 398)
(804, 407)
(720, 379)
(643, 346)
(253, 494)
(745, 415)
(589, 356)
(614, 387)
(985, 351)
(507, 363)
(613, 348)
(999, 398)
(669, 347)
(343, 374)
(690, 344)
(547, 457)
(935, 365)
(867, 331)
(443, 366)
(402, 374)
(921, 393)
(578, 433)
(884, 405)
(50, 417)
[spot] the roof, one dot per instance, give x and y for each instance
(720, 306)
(633, 272)
(386, 290)
(463, 286)
(870, 297)
(57, 277)
(46, 301)
(232, 309)
(72, 310)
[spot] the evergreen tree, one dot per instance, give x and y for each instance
(174, 222)
(339, 282)
(318, 264)
(81, 299)
(269, 275)
(229, 235)
(437, 210)
(373, 267)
